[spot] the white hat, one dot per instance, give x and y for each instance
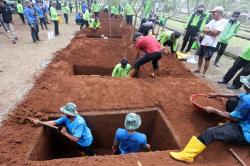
(132, 121)
(218, 9)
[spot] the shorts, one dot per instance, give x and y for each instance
(205, 52)
(154, 57)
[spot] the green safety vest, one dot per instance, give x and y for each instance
(19, 8)
(166, 36)
(95, 24)
(229, 31)
(121, 72)
(113, 10)
(66, 9)
(53, 13)
(246, 53)
(196, 20)
(86, 15)
(129, 9)
(95, 7)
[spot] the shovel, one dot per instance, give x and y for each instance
(47, 125)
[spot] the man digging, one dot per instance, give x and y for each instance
(238, 109)
(75, 128)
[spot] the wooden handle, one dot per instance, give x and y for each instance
(42, 123)
(237, 157)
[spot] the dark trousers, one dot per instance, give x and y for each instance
(22, 17)
(189, 37)
(34, 32)
(154, 57)
(221, 47)
(84, 22)
(66, 17)
(129, 19)
(56, 27)
(170, 44)
(96, 14)
(70, 8)
(43, 22)
(238, 64)
(87, 150)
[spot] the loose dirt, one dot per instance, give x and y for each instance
(74, 76)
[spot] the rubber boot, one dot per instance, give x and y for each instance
(191, 150)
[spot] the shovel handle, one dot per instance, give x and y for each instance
(42, 123)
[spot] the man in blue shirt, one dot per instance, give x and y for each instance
(238, 109)
(75, 128)
(30, 15)
(84, 7)
(128, 140)
(39, 10)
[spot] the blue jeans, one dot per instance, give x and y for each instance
(34, 31)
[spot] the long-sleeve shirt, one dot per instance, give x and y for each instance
(129, 11)
(6, 14)
(246, 53)
(19, 8)
(167, 36)
(95, 24)
(30, 15)
(95, 7)
(197, 20)
(121, 72)
(229, 31)
(39, 11)
(65, 9)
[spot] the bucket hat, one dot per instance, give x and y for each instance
(132, 121)
(245, 80)
(69, 109)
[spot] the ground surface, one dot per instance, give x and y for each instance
(68, 78)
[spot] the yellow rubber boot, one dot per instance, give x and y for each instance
(191, 150)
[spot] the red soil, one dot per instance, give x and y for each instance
(58, 85)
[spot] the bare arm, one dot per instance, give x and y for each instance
(218, 112)
(115, 146)
(71, 137)
(213, 95)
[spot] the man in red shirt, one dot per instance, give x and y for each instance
(152, 49)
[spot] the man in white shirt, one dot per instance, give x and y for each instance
(210, 40)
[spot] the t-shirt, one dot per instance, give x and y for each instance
(246, 53)
(121, 72)
(130, 142)
(213, 25)
(242, 113)
(148, 44)
(78, 128)
(19, 8)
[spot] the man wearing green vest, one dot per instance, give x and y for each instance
(122, 69)
(54, 18)
(85, 19)
(243, 62)
(195, 24)
(96, 8)
(66, 11)
(230, 30)
(129, 11)
(113, 11)
(95, 24)
(19, 7)
(169, 38)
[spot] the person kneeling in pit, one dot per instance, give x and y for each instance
(75, 128)
(238, 109)
(128, 140)
(153, 52)
(95, 24)
(122, 69)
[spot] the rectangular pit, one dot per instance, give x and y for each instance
(53, 145)
(117, 36)
(92, 70)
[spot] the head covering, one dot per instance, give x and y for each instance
(69, 109)
(176, 34)
(218, 9)
(245, 80)
(26, 2)
(124, 62)
(201, 7)
(136, 35)
(236, 14)
(132, 121)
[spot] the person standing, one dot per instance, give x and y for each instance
(54, 18)
(235, 132)
(243, 63)
(231, 29)
(129, 12)
(70, 6)
(195, 24)
(30, 15)
(66, 11)
(113, 11)
(19, 7)
(210, 40)
(128, 140)
(84, 7)
(96, 8)
(7, 20)
(39, 10)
